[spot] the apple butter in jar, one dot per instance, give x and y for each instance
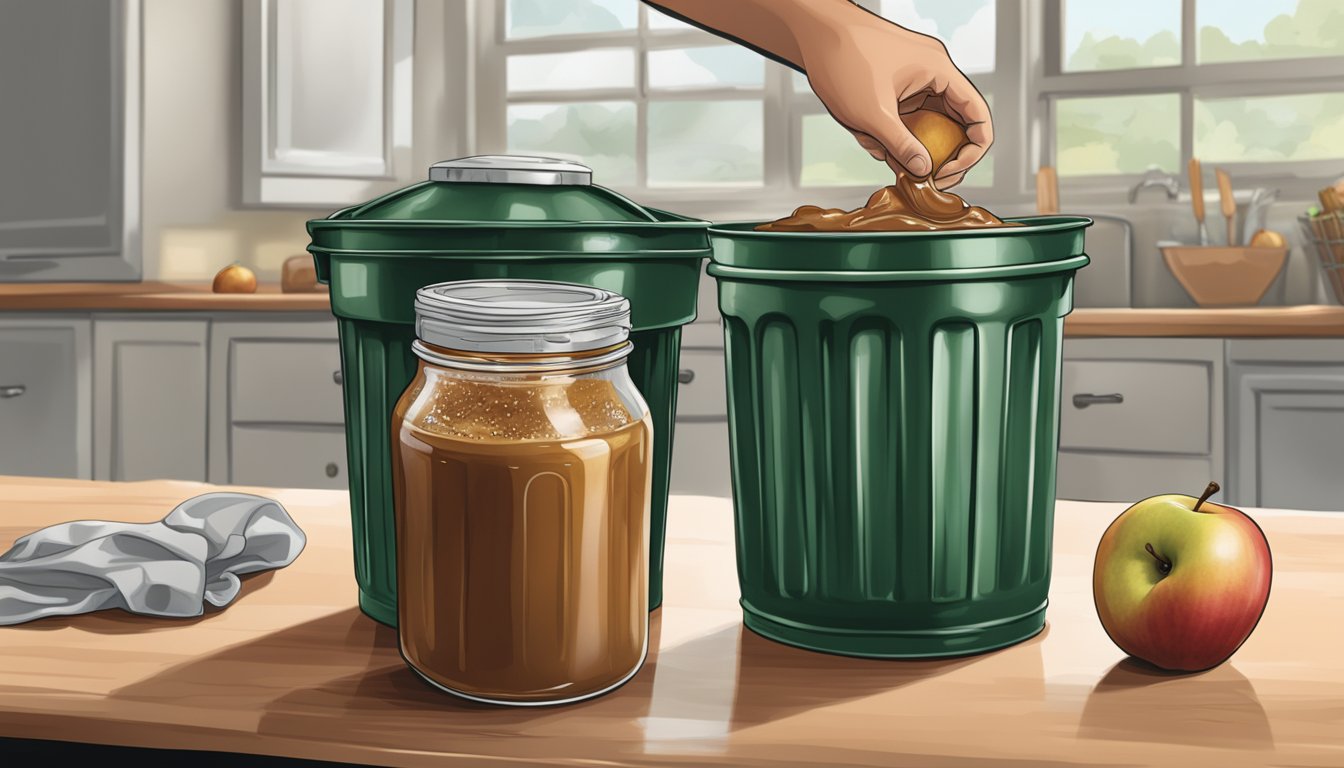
(522, 474)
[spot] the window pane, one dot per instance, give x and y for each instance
(718, 65)
(601, 135)
(1104, 34)
(1269, 29)
(831, 157)
(597, 68)
(1299, 127)
(538, 18)
(660, 20)
(966, 27)
(704, 143)
(800, 84)
(1120, 134)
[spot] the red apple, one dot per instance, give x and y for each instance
(1181, 582)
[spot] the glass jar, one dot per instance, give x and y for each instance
(522, 458)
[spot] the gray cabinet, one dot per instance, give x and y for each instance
(1286, 422)
(150, 398)
(276, 413)
(69, 140)
(45, 397)
(700, 459)
(1140, 417)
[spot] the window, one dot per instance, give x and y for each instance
(666, 112)
(1253, 87)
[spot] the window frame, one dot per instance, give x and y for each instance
(783, 110)
(1190, 81)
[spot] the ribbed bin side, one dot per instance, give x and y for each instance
(894, 460)
(378, 364)
(653, 364)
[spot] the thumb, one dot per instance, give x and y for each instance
(901, 145)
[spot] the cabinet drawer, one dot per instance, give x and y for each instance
(1127, 478)
(280, 380)
(288, 457)
(700, 464)
(701, 391)
(1154, 406)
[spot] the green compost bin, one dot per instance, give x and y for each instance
(893, 404)
(493, 217)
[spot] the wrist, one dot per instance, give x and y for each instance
(821, 27)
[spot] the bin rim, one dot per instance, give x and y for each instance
(1003, 271)
(475, 254)
(1032, 225)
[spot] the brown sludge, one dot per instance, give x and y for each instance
(911, 204)
(908, 205)
(522, 529)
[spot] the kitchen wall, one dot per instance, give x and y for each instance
(192, 223)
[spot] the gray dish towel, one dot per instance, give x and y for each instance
(169, 568)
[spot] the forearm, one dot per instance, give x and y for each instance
(780, 29)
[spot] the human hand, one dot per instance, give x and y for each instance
(868, 72)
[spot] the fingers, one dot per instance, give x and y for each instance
(962, 100)
(946, 183)
(870, 145)
(903, 149)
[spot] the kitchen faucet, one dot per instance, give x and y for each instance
(1156, 177)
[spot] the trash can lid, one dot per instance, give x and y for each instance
(495, 203)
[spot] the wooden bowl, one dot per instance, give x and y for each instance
(1223, 276)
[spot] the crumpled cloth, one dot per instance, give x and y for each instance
(170, 568)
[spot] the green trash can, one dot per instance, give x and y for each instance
(480, 218)
(893, 403)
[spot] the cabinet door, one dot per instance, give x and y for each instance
(45, 397)
(150, 399)
(69, 140)
(326, 100)
(1286, 427)
(268, 376)
(1139, 417)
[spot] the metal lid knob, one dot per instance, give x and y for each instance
(511, 169)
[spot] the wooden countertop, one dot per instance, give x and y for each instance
(293, 669)
(1265, 322)
(1255, 322)
(153, 297)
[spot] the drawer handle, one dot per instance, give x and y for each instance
(338, 378)
(1084, 400)
(13, 390)
(685, 376)
(332, 469)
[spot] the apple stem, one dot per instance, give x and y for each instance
(1209, 491)
(1163, 564)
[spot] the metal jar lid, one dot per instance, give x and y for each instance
(512, 169)
(520, 316)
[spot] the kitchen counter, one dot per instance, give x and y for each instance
(153, 296)
(293, 669)
(1262, 322)
(1255, 322)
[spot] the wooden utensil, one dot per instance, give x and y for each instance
(1047, 191)
(1227, 203)
(1197, 198)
